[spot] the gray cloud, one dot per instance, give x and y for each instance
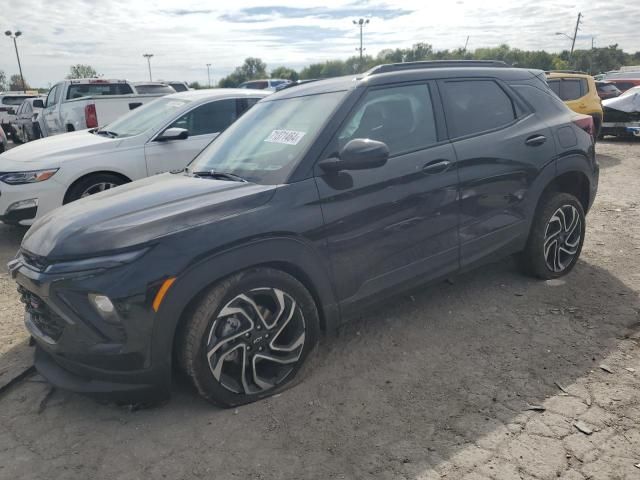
(181, 12)
(264, 14)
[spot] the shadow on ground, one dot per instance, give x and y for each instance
(399, 391)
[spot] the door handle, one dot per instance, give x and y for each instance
(437, 166)
(535, 140)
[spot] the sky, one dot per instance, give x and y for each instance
(185, 35)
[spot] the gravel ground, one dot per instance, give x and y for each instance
(494, 377)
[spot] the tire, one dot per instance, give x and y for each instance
(556, 237)
(91, 184)
(223, 334)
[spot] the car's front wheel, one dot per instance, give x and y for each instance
(93, 184)
(249, 336)
(556, 237)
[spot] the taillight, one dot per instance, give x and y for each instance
(90, 115)
(585, 122)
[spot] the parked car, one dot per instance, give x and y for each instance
(267, 84)
(153, 88)
(26, 127)
(161, 136)
(578, 90)
(624, 84)
(9, 102)
(321, 199)
(179, 86)
(622, 114)
(607, 90)
(88, 103)
(3, 141)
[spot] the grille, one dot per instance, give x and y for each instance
(47, 321)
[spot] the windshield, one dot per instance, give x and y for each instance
(267, 142)
(147, 117)
(79, 90)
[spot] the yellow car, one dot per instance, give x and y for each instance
(578, 91)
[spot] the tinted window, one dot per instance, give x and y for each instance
(211, 117)
(51, 96)
(147, 89)
(244, 104)
(13, 100)
(97, 89)
(569, 89)
(260, 85)
(474, 106)
(401, 117)
(179, 87)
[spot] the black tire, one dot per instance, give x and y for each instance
(92, 183)
(554, 229)
(210, 341)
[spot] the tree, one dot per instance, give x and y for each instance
(286, 73)
(195, 85)
(81, 71)
(15, 83)
(251, 69)
(3, 81)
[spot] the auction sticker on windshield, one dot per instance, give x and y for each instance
(287, 137)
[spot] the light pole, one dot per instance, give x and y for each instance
(148, 57)
(575, 35)
(209, 73)
(10, 34)
(361, 23)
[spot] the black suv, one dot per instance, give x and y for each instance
(322, 198)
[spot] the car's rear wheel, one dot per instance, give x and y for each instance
(249, 336)
(556, 237)
(93, 184)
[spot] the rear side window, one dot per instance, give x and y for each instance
(179, 87)
(13, 100)
(244, 104)
(209, 118)
(569, 88)
(401, 117)
(260, 85)
(474, 106)
(97, 89)
(149, 89)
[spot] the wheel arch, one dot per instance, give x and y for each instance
(290, 255)
(89, 174)
(574, 182)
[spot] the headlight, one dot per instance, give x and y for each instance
(34, 176)
(96, 263)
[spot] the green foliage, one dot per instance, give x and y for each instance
(3, 81)
(81, 71)
(594, 61)
(286, 73)
(15, 83)
(196, 85)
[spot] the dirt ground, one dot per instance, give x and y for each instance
(436, 384)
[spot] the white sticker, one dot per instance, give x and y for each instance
(288, 137)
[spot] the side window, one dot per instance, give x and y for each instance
(570, 89)
(554, 85)
(402, 117)
(585, 86)
(51, 96)
(209, 118)
(244, 104)
(474, 106)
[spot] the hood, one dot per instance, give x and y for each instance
(139, 212)
(625, 103)
(46, 151)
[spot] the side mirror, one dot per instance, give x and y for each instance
(11, 111)
(173, 134)
(358, 154)
(38, 104)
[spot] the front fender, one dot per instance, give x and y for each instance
(294, 255)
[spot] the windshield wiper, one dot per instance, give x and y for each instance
(220, 175)
(107, 133)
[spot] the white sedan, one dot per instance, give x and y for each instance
(161, 136)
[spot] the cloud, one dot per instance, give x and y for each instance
(181, 12)
(269, 13)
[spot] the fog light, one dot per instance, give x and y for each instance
(102, 303)
(22, 204)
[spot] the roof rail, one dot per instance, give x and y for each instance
(395, 67)
(577, 72)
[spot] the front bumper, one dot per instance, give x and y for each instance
(37, 199)
(76, 349)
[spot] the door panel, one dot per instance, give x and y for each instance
(396, 223)
(496, 167)
(175, 154)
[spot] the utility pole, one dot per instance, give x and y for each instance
(148, 57)
(209, 73)
(361, 23)
(465, 45)
(575, 34)
(10, 34)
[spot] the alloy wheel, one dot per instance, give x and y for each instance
(256, 340)
(97, 188)
(562, 238)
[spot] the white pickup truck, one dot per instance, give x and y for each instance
(88, 103)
